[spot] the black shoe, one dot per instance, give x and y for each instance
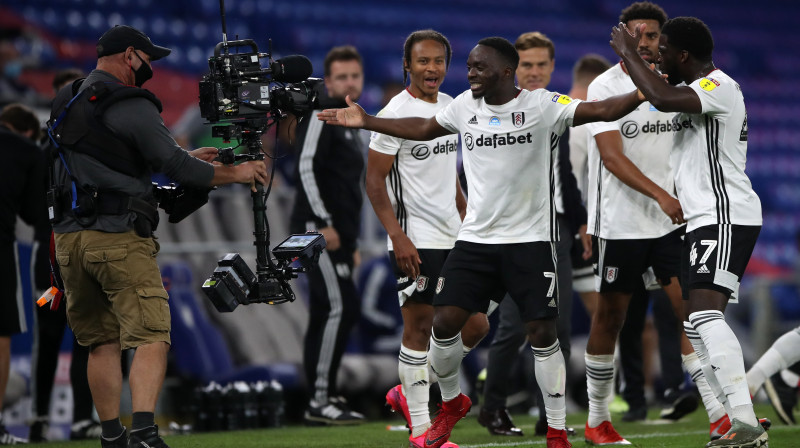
(679, 404)
(635, 414)
(498, 422)
(783, 398)
(120, 442)
(6, 438)
(146, 438)
(39, 429)
(85, 430)
(335, 412)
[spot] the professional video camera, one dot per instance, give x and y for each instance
(237, 90)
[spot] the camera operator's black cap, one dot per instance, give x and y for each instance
(119, 38)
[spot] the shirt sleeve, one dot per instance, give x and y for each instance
(315, 149)
(715, 97)
(598, 92)
(382, 143)
(448, 117)
(137, 120)
(558, 110)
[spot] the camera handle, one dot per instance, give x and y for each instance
(263, 260)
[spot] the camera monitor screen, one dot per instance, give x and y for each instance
(300, 246)
(297, 241)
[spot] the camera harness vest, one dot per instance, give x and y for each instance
(88, 135)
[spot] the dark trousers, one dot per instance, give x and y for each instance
(50, 327)
(510, 336)
(334, 308)
(630, 345)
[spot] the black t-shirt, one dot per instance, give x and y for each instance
(330, 170)
(22, 184)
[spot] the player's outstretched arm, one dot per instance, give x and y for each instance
(609, 109)
(412, 128)
(664, 96)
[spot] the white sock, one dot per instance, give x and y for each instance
(599, 384)
(551, 375)
(790, 378)
(783, 353)
(725, 358)
(713, 407)
(702, 355)
(413, 371)
(445, 356)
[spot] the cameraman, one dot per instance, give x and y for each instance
(331, 168)
(105, 246)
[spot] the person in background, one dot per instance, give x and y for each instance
(585, 70)
(778, 371)
(23, 195)
(330, 171)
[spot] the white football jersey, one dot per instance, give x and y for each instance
(615, 210)
(508, 152)
(422, 181)
(709, 157)
(578, 154)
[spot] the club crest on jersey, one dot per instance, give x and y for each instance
(422, 283)
(494, 121)
(518, 119)
(611, 274)
(439, 285)
(561, 99)
(709, 84)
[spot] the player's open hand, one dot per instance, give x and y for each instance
(352, 117)
(623, 41)
(672, 208)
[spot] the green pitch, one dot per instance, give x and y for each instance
(690, 432)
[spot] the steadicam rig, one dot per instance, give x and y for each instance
(250, 98)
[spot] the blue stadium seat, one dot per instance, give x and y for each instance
(198, 348)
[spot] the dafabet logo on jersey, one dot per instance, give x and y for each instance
(708, 84)
(561, 99)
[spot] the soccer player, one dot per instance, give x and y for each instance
(330, 169)
(536, 64)
(636, 223)
(722, 211)
(585, 70)
(776, 370)
(507, 239)
(421, 218)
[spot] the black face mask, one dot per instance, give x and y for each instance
(141, 74)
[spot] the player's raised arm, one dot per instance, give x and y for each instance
(665, 96)
(412, 128)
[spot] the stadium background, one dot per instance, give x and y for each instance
(754, 45)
